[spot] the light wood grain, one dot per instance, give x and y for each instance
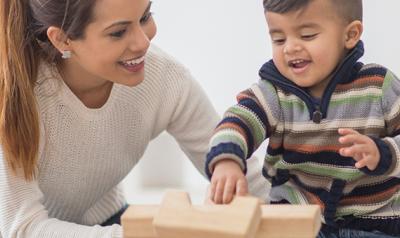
(245, 217)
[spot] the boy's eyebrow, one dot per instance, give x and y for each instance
(273, 30)
(308, 25)
(128, 22)
(301, 26)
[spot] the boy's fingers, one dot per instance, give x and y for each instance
(229, 191)
(362, 163)
(212, 189)
(346, 131)
(352, 139)
(219, 191)
(356, 151)
(241, 187)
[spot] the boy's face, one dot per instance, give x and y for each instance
(308, 44)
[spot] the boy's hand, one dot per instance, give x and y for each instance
(362, 148)
(227, 179)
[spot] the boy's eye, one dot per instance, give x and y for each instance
(278, 41)
(118, 34)
(309, 36)
(146, 18)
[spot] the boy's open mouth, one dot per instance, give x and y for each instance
(298, 63)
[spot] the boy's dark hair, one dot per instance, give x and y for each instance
(350, 10)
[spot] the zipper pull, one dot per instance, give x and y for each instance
(317, 116)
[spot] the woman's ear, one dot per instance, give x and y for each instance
(353, 34)
(58, 38)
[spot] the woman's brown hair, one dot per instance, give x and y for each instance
(23, 43)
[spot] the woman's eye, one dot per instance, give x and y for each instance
(118, 34)
(146, 17)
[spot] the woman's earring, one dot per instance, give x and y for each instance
(66, 54)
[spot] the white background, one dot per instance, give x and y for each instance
(224, 43)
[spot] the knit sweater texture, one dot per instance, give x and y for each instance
(85, 153)
(302, 160)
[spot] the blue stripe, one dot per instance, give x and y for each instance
(367, 190)
(249, 135)
(224, 148)
(328, 158)
(378, 70)
(255, 108)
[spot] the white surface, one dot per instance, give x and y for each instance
(224, 43)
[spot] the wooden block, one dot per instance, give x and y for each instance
(244, 217)
(137, 221)
(287, 221)
(177, 218)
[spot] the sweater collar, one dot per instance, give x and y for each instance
(345, 72)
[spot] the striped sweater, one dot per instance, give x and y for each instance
(302, 160)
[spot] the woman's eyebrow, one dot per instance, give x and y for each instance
(128, 22)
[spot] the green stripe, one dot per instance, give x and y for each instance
(356, 99)
(387, 82)
(250, 119)
(272, 159)
(340, 173)
(226, 136)
(287, 104)
(293, 195)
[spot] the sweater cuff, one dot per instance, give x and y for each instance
(225, 151)
(385, 158)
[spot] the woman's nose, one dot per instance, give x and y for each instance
(139, 40)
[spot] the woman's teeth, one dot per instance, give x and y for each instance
(134, 61)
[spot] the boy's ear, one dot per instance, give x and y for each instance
(58, 38)
(353, 34)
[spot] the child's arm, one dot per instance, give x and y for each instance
(244, 127)
(378, 156)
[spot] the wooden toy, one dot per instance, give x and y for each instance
(245, 217)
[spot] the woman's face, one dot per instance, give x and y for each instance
(115, 42)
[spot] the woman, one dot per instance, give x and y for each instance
(82, 93)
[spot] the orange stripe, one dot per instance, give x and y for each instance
(242, 96)
(314, 199)
(274, 146)
(312, 148)
(374, 198)
(369, 80)
(233, 126)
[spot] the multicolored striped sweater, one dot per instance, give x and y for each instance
(302, 161)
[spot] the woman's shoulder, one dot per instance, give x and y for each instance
(47, 80)
(159, 62)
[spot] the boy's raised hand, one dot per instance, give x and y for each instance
(361, 147)
(227, 180)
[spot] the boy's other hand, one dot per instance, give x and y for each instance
(227, 180)
(361, 147)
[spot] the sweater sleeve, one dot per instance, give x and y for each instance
(244, 126)
(389, 146)
(23, 215)
(193, 120)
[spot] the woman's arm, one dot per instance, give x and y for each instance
(193, 121)
(23, 215)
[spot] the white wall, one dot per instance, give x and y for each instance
(224, 43)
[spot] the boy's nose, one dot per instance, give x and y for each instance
(291, 47)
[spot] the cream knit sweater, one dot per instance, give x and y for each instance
(85, 153)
